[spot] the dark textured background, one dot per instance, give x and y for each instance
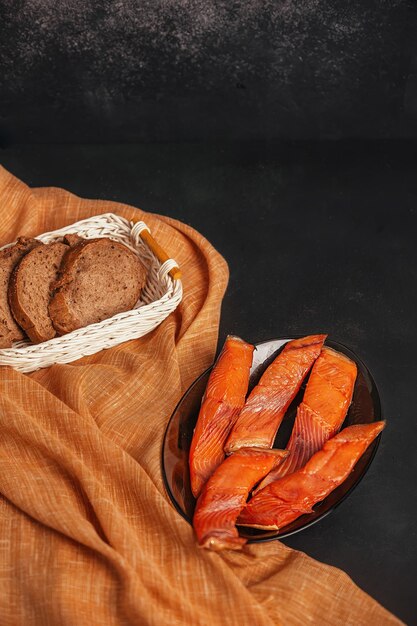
(131, 70)
(319, 231)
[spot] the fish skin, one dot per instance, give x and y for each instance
(266, 405)
(326, 401)
(282, 501)
(222, 401)
(225, 495)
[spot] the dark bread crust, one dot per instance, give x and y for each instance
(98, 279)
(72, 239)
(30, 290)
(10, 331)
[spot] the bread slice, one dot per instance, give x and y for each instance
(72, 239)
(30, 290)
(98, 278)
(9, 258)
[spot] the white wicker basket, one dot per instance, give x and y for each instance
(160, 296)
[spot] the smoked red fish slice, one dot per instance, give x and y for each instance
(282, 501)
(265, 408)
(320, 415)
(225, 495)
(223, 399)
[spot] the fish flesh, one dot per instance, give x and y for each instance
(266, 405)
(325, 403)
(284, 500)
(225, 495)
(223, 400)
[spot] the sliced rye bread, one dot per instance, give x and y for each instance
(30, 290)
(98, 278)
(10, 331)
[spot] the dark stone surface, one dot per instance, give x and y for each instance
(319, 237)
(162, 70)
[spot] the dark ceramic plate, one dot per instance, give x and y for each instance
(365, 408)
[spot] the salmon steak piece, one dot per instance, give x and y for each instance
(326, 401)
(225, 494)
(284, 500)
(223, 400)
(267, 403)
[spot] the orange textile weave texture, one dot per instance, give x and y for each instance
(87, 535)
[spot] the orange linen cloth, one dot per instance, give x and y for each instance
(87, 534)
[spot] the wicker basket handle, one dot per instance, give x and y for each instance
(145, 234)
